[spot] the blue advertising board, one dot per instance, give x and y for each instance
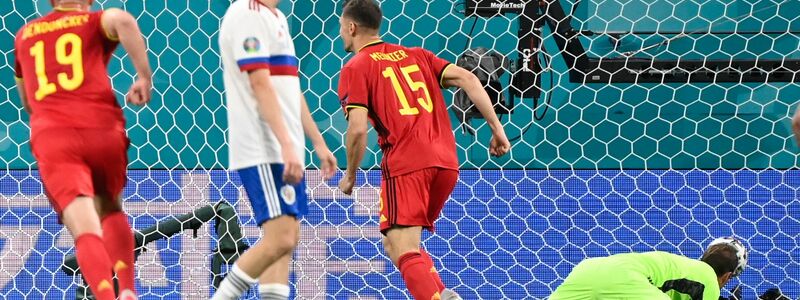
(503, 235)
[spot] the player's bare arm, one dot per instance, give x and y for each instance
(455, 76)
(121, 25)
(326, 158)
(796, 125)
(22, 97)
(356, 145)
(267, 102)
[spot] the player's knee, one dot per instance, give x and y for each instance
(285, 244)
(402, 247)
(293, 236)
(76, 219)
(286, 237)
(106, 204)
(395, 251)
(387, 247)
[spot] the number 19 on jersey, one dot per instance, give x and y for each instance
(73, 58)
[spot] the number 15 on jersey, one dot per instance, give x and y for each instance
(425, 102)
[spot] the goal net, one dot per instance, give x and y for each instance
(646, 141)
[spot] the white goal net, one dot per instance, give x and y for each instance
(658, 125)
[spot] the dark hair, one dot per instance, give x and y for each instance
(365, 13)
(722, 258)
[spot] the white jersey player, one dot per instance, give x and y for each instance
(267, 116)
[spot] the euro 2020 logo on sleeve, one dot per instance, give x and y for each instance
(288, 194)
(252, 45)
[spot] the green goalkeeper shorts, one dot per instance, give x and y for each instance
(599, 278)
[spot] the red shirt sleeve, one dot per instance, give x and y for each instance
(438, 65)
(353, 90)
(106, 35)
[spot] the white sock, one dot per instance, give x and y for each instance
(127, 294)
(273, 291)
(234, 285)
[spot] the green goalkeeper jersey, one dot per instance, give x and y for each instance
(678, 276)
(650, 275)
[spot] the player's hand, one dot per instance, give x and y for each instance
(140, 92)
(346, 183)
(499, 144)
(327, 162)
(292, 169)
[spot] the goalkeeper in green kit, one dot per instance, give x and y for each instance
(656, 275)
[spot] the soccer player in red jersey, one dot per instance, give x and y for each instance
(399, 90)
(78, 131)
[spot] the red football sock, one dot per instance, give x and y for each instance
(119, 244)
(95, 265)
(416, 274)
(434, 274)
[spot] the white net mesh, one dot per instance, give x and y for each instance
(609, 168)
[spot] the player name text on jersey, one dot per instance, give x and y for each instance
(394, 56)
(62, 23)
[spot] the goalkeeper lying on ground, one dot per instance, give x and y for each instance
(656, 275)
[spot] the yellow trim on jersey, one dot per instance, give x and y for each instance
(59, 8)
(18, 79)
(441, 75)
(105, 32)
(349, 107)
(370, 44)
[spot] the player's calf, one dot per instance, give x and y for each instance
(119, 242)
(402, 245)
(95, 265)
(83, 223)
(274, 282)
(416, 273)
(434, 273)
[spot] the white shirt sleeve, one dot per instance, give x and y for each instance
(249, 37)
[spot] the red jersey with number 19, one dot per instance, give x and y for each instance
(62, 59)
(400, 88)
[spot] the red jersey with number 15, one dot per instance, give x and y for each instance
(62, 59)
(400, 88)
